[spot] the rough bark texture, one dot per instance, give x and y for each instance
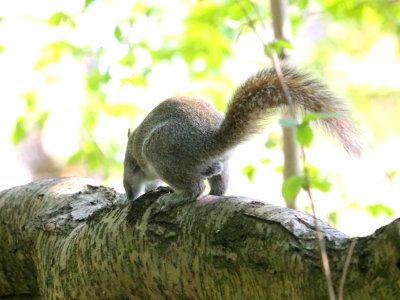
(68, 239)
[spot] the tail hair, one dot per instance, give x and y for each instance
(261, 95)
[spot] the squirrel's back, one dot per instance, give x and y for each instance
(179, 125)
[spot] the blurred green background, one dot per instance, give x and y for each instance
(76, 74)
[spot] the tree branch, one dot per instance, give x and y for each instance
(68, 239)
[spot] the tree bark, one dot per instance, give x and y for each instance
(69, 239)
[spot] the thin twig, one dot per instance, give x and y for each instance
(250, 22)
(320, 237)
(263, 27)
(285, 89)
(292, 111)
(346, 268)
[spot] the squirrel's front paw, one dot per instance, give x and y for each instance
(169, 201)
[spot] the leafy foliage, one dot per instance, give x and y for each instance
(278, 46)
(32, 120)
(377, 209)
(293, 185)
(53, 52)
(61, 18)
(249, 171)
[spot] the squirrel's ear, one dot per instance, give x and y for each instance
(129, 132)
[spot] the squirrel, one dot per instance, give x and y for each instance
(185, 140)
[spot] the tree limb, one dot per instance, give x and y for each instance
(69, 239)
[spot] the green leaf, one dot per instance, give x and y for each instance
(291, 187)
(304, 134)
(20, 130)
(320, 183)
(302, 4)
(118, 34)
(249, 171)
(205, 25)
(95, 79)
(55, 19)
(278, 45)
(59, 18)
(265, 161)
(268, 49)
(128, 60)
(272, 141)
(1, 48)
(135, 80)
(41, 119)
(377, 209)
(332, 218)
(76, 158)
(317, 181)
(53, 52)
(288, 122)
(30, 98)
(87, 3)
(296, 20)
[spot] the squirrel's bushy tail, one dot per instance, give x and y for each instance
(261, 95)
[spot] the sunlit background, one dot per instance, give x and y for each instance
(76, 74)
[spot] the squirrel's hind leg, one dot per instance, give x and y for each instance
(186, 190)
(219, 183)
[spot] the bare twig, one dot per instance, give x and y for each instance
(320, 237)
(346, 268)
(264, 28)
(250, 22)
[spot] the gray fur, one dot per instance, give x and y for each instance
(185, 141)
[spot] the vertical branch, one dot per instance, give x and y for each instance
(280, 22)
(291, 165)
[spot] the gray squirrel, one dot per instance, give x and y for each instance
(185, 140)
